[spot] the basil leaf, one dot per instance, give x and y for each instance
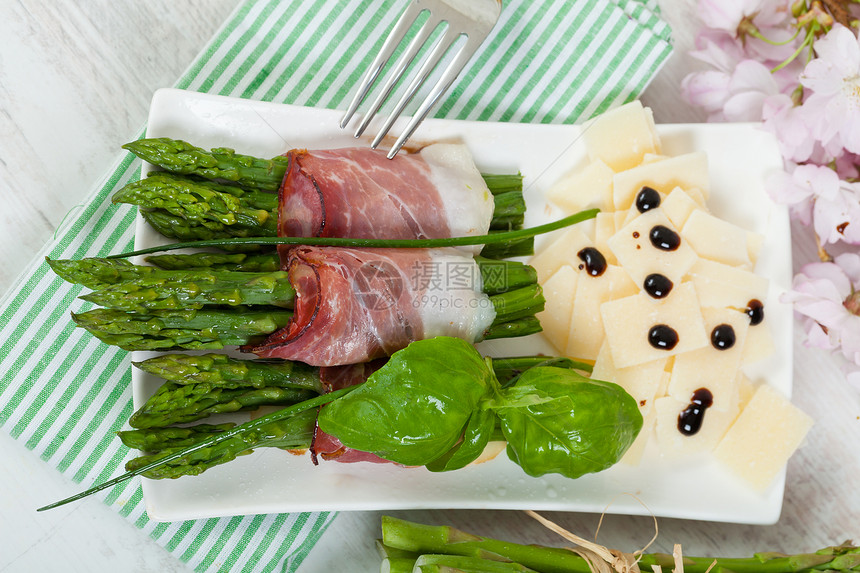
(414, 409)
(557, 421)
(475, 438)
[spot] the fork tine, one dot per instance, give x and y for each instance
(432, 60)
(397, 34)
(445, 82)
(402, 64)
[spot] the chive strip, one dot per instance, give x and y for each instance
(252, 425)
(493, 238)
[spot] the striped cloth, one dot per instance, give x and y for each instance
(64, 394)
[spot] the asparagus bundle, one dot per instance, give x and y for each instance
(407, 547)
(198, 386)
(147, 308)
(184, 203)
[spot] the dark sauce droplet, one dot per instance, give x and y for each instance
(657, 285)
(755, 310)
(662, 337)
(723, 337)
(595, 262)
(647, 199)
(690, 420)
(664, 238)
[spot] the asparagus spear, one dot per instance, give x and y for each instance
(176, 227)
(178, 156)
(182, 329)
(216, 328)
(428, 539)
(202, 201)
(157, 439)
(219, 163)
(227, 372)
(251, 262)
(292, 433)
(122, 286)
(182, 403)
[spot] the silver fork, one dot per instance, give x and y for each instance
(471, 18)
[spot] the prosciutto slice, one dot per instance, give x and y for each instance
(360, 193)
(355, 305)
(325, 445)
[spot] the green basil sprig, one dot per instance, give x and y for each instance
(437, 402)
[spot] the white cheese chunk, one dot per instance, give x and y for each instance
(674, 443)
(562, 250)
(716, 239)
(622, 137)
(764, 436)
(686, 171)
(638, 255)
(709, 367)
(588, 188)
(559, 291)
(628, 322)
(586, 325)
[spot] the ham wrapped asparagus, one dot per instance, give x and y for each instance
(359, 193)
(355, 305)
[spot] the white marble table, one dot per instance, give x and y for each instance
(76, 78)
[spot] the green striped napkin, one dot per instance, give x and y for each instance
(64, 394)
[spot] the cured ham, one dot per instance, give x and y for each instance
(355, 305)
(325, 445)
(360, 193)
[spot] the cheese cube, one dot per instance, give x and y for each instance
(759, 344)
(644, 381)
(674, 443)
(754, 244)
(678, 205)
(652, 158)
(716, 239)
(586, 189)
(561, 251)
(685, 171)
(746, 389)
(559, 291)
(723, 286)
(711, 368)
(628, 322)
(764, 436)
(621, 137)
(586, 325)
(635, 252)
(604, 228)
(633, 455)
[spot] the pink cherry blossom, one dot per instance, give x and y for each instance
(833, 107)
(769, 17)
(784, 119)
(735, 96)
(820, 294)
(816, 195)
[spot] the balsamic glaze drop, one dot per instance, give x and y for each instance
(664, 238)
(662, 337)
(690, 420)
(595, 262)
(647, 199)
(723, 337)
(755, 310)
(657, 285)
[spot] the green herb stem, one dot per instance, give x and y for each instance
(492, 238)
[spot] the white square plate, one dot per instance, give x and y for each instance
(272, 481)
